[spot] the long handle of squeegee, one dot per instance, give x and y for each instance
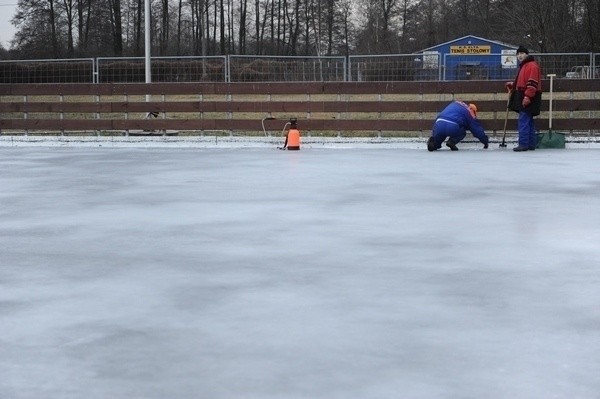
(551, 76)
(508, 93)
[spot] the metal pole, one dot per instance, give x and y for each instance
(147, 44)
(551, 76)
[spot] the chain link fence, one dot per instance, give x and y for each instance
(426, 66)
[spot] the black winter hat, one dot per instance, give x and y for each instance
(522, 49)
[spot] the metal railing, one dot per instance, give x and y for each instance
(427, 66)
(74, 70)
(163, 69)
(398, 67)
(250, 68)
(504, 66)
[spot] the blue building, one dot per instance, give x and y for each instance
(471, 58)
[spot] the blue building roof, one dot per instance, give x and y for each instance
(465, 41)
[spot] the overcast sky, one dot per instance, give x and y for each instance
(7, 11)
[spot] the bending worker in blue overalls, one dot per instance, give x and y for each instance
(453, 122)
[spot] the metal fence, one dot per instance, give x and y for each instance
(286, 69)
(596, 64)
(77, 70)
(238, 68)
(398, 67)
(163, 69)
(563, 65)
(504, 66)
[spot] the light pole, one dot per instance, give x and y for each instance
(147, 44)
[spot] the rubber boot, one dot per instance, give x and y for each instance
(431, 144)
(450, 144)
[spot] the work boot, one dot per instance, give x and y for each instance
(520, 148)
(450, 144)
(431, 144)
(531, 149)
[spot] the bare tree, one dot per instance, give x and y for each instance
(346, 24)
(69, 12)
(59, 28)
(179, 25)
(164, 27)
(53, 30)
(83, 24)
(257, 25)
(222, 25)
(138, 28)
(293, 19)
(242, 32)
(591, 26)
(116, 27)
(37, 31)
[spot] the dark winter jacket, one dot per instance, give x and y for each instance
(528, 82)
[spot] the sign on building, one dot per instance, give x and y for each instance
(431, 59)
(508, 58)
(470, 50)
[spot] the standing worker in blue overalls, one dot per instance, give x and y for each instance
(452, 123)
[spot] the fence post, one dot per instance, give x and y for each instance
(346, 71)
(25, 114)
(97, 113)
(164, 114)
(96, 67)
(229, 113)
(421, 116)
(339, 114)
(227, 69)
(126, 98)
(201, 116)
(62, 114)
(380, 114)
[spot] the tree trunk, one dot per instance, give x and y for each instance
(222, 26)
(117, 28)
(164, 29)
(81, 23)
(242, 31)
(179, 19)
(68, 5)
(53, 33)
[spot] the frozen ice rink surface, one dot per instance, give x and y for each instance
(326, 273)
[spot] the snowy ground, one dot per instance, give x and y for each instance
(334, 273)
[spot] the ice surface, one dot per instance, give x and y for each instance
(325, 273)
